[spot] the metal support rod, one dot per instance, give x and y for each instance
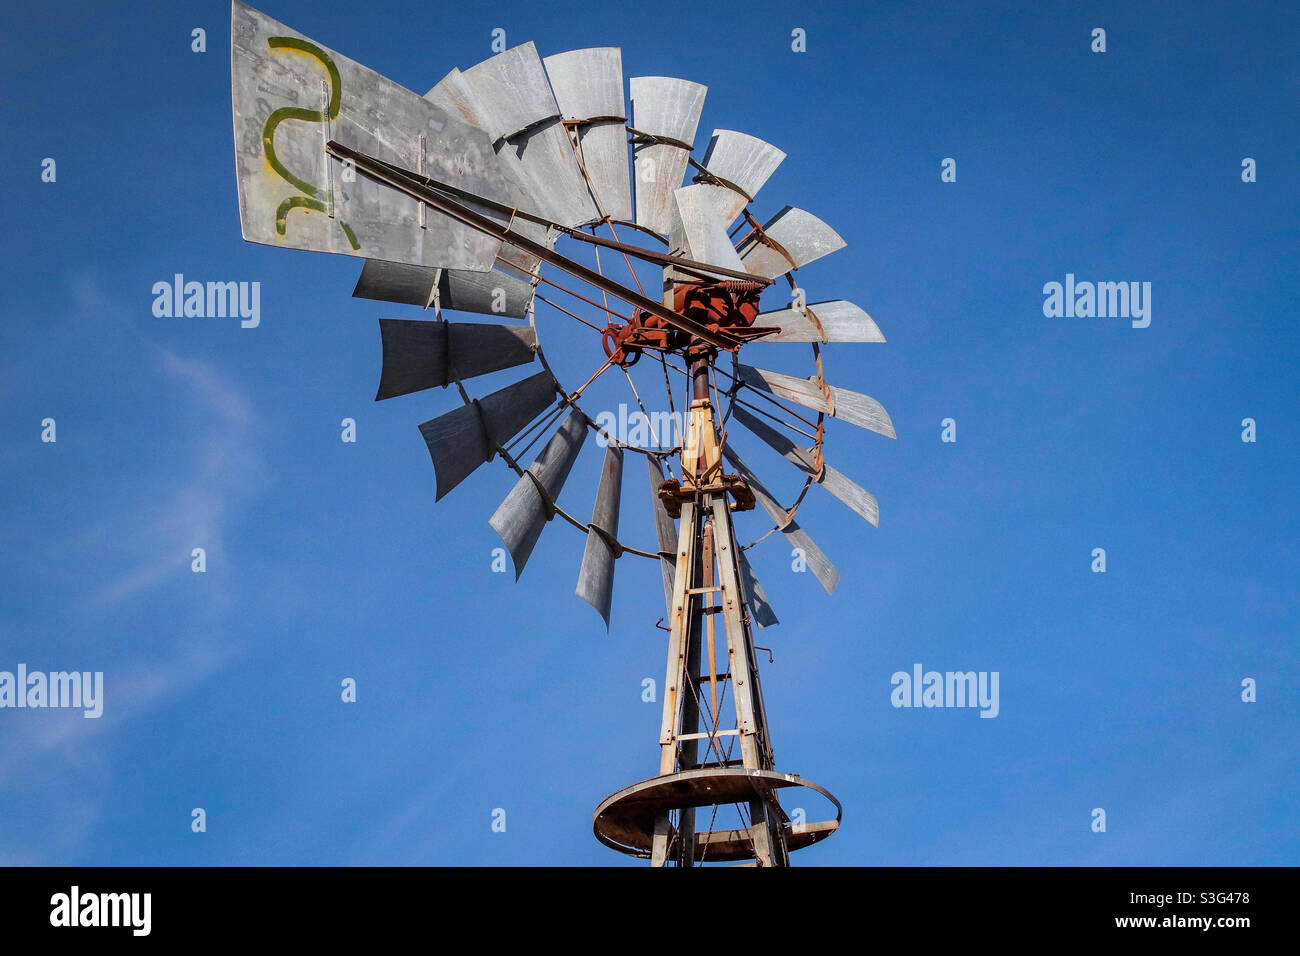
(411, 185)
(688, 757)
(675, 689)
(707, 584)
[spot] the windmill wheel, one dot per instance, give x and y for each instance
(568, 146)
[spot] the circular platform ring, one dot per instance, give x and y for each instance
(625, 821)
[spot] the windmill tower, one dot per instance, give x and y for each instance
(456, 201)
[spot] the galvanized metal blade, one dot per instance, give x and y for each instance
(513, 97)
(840, 321)
(698, 232)
(840, 403)
(760, 609)
(524, 512)
(588, 87)
(668, 109)
(487, 293)
(665, 531)
(462, 440)
(497, 292)
(454, 95)
(801, 236)
(596, 575)
(842, 487)
(397, 282)
(743, 163)
(816, 560)
(419, 354)
(290, 95)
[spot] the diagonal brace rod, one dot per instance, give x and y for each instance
(402, 181)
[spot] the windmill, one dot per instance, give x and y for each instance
(458, 201)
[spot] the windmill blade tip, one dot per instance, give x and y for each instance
(587, 599)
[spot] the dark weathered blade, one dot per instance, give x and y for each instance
(842, 487)
(461, 440)
(524, 512)
(665, 530)
(840, 321)
(817, 562)
(666, 107)
(801, 235)
(841, 403)
(420, 354)
(487, 293)
(596, 575)
(588, 87)
(397, 282)
(496, 292)
(741, 161)
(755, 597)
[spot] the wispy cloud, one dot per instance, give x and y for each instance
(192, 495)
(224, 469)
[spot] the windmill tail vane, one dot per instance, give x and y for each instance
(455, 201)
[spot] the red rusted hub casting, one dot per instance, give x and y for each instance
(721, 306)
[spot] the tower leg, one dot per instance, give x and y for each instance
(676, 689)
(707, 568)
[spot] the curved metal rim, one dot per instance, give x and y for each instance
(779, 779)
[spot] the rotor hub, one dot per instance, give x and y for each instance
(729, 306)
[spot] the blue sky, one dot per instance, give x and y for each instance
(329, 560)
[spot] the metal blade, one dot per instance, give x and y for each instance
(846, 489)
(588, 86)
(698, 232)
(596, 575)
(841, 403)
(454, 95)
(524, 512)
(817, 562)
(755, 597)
(461, 440)
(665, 530)
(489, 293)
(290, 95)
(513, 97)
(419, 354)
(841, 321)
(801, 235)
(742, 161)
(397, 282)
(670, 108)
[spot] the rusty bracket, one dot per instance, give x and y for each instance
(765, 239)
(672, 493)
(638, 138)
